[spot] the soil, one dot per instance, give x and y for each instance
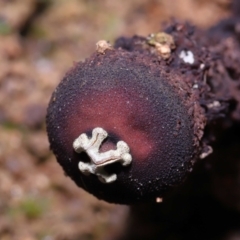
(39, 41)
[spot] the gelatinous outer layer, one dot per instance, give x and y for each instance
(136, 101)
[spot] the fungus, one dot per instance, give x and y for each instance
(133, 119)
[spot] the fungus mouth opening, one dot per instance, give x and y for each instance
(91, 145)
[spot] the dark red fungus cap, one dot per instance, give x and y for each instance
(136, 100)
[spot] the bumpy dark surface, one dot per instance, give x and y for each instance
(141, 99)
(225, 73)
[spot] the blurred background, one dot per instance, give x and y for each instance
(39, 41)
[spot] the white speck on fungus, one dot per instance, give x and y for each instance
(187, 56)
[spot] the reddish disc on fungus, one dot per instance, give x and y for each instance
(134, 101)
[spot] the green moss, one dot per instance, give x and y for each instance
(30, 208)
(5, 29)
(33, 208)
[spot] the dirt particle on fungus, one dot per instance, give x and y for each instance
(102, 46)
(163, 43)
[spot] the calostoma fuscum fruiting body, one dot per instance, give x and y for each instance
(129, 123)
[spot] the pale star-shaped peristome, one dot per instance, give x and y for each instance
(99, 160)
